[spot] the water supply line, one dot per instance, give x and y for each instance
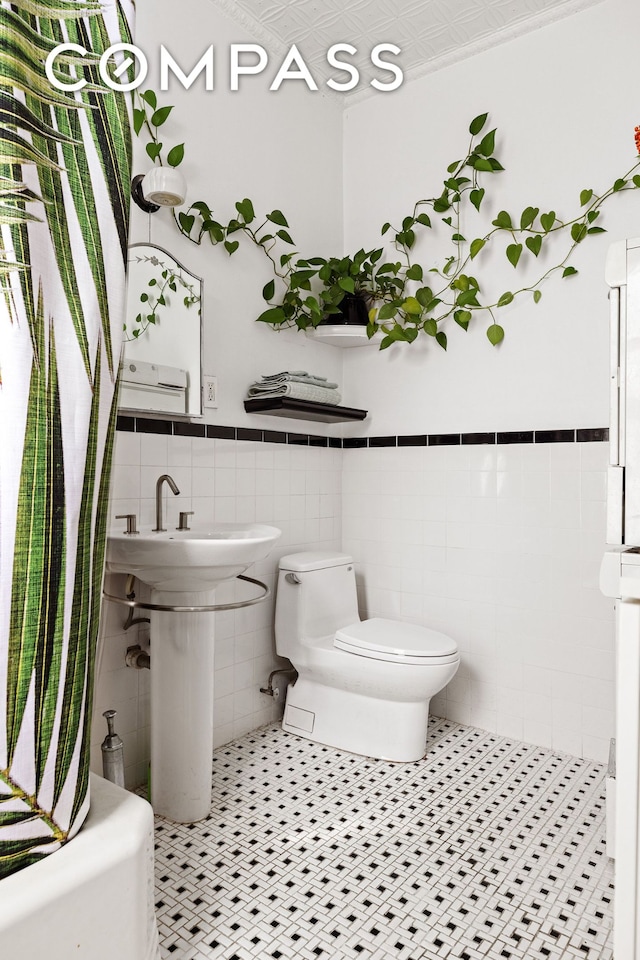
(131, 595)
(278, 690)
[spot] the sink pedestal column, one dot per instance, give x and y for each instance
(181, 707)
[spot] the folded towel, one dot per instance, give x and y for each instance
(295, 376)
(297, 390)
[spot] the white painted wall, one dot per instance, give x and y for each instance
(282, 150)
(564, 99)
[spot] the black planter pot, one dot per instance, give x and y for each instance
(353, 310)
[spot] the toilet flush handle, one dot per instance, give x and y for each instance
(292, 578)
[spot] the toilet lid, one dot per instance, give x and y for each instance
(394, 640)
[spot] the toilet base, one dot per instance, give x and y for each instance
(383, 729)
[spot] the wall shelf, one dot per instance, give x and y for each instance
(343, 335)
(303, 409)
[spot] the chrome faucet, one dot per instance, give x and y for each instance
(174, 489)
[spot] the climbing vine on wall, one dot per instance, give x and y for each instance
(405, 298)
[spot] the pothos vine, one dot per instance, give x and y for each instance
(157, 294)
(405, 299)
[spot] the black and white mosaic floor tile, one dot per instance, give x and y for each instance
(488, 849)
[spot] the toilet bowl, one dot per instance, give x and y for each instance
(363, 685)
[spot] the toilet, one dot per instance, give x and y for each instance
(363, 685)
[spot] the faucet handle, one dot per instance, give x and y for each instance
(183, 523)
(131, 522)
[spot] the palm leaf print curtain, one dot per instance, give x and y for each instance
(64, 188)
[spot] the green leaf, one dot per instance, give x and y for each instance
(160, 116)
(482, 164)
(284, 236)
(475, 196)
(619, 184)
(441, 338)
(412, 306)
(387, 312)
(274, 315)
(503, 221)
(231, 246)
(596, 230)
(186, 221)
(277, 217)
(593, 215)
(547, 220)
(176, 155)
(154, 150)
(636, 180)
(424, 296)
(476, 246)
(477, 124)
(245, 209)
(529, 214)
(149, 97)
(534, 244)
(514, 251)
(385, 228)
(268, 290)
(495, 334)
(414, 272)
(347, 284)
(585, 196)
(457, 238)
(462, 318)
(505, 299)
(423, 218)
(537, 296)
(203, 209)
(487, 144)
(569, 272)
(578, 232)
(430, 327)
(138, 120)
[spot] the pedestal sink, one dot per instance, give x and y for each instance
(183, 568)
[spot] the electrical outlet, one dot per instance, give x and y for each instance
(210, 391)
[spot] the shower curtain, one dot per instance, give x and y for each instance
(64, 207)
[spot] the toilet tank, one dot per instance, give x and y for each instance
(322, 602)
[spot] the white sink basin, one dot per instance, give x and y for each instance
(189, 561)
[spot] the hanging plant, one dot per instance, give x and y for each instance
(406, 299)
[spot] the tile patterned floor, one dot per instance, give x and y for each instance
(489, 848)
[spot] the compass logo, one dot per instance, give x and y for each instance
(244, 60)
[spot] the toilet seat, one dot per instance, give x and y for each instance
(396, 641)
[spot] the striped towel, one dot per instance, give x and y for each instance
(295, 376)
(296, 389)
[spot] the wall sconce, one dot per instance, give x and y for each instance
(161, 187)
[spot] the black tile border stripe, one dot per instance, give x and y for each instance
(473, 438)
(181, 428)
(516, 436)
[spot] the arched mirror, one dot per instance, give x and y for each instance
(162, 367)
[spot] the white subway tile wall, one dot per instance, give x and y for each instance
(498, 546)
(296, 488)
